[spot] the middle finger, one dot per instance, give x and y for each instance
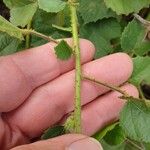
(49, 103)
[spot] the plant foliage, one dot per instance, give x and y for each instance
(112, 27)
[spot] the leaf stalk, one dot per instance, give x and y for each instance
(33, 32)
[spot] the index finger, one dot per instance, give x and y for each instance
(22, 72)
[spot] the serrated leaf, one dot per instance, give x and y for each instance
(127, 6)
(17, 3)
(99, 135)
(63, 50)
(42, 22)
(141, 70)
(115, 136)
(135, 120)
(93, 10)
(103, 47)
(8, 45)
(53, 132)
(52, 5)
(101, 33)
(21, 16)
(113, 147)
(21, 11)
(142, 48)
(7, 27)
(132, 35)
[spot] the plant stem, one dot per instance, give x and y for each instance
(141, 93)
(134, 144)
(28, 36)
(107, 85)
(66, 29)
(142, 20)
(76, 47)
(48, 38)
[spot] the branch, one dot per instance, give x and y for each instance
(107, 85)
(28, 36)
(48, 38)
(76, 47)
(142, 20)
(134, 144)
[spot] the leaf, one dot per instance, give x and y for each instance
(17, 3)
(21, 11)
(52, 5)
(99, 135)
(113, 147)
(42, 22)
(7, 27)
(126, 7)
(135, 120)
(8, 45)
(63, 50)
(103, 47)
(21, 16)
(115, 136)
(91, 11)
(101, 33)
(141, 70)
(147, 145)
(53, 132)
(132, 35)
(142, 48)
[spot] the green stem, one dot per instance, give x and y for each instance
(134, 144)
(141, 93)
(48, 38)
(142, 20)
(107, 85)
(28, 36)
(76, 47)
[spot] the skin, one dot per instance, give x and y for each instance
(37, 91)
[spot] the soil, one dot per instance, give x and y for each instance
(4, 11)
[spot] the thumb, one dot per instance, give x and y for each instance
(65, 142)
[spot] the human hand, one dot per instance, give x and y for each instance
(37, 91)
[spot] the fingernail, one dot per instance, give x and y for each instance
(85, 144)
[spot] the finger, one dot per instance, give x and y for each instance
(104, 110)
(48, 104)
(22, 72)
(65, 142)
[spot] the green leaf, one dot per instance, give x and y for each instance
(17, 3)
(132, 35)
(115, 136)
(141, 70)
(7, 27)
(147, 145)
(99, 135)
(52, 5)
(135, 120)
(101, 33)
(142, 48)
(126, 6)
(53, 132)
(43, 21)
(21, 16)
(8, 45)
(93, 10)
(103, 47)
(21, 11)
(63, 50)
(113, 147)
